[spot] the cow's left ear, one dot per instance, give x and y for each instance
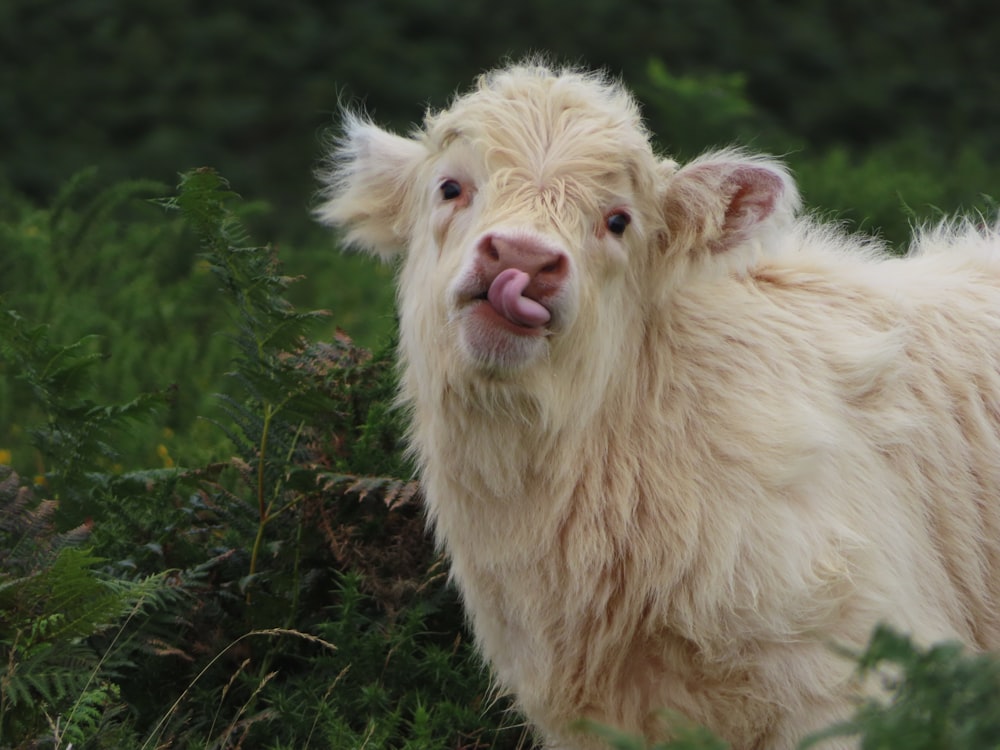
(368, 187)
(727, 203)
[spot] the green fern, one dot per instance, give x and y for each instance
(87, 716)
(686, 736)
(320, 452)
(56, 606)
(317, 488)
(276, 397)
(937, 697)
(76, 434)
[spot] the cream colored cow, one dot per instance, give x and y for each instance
(675, 440)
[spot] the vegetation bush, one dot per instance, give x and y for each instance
(277, 598)
(281, 593)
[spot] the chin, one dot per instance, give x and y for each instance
(495, 345)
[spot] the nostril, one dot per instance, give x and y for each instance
(555, 268)
(488, 249)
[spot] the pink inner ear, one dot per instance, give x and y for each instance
(755, 195)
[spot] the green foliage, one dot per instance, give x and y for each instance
(77, 433)
(890, 191)
(937, 697)
(686, 736)
(105, 269)
(286, 384)
(102, 269)
(56, 681)
(691, 112)
(309, 607)
(410, 682)
(258, 81)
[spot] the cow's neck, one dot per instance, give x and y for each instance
(496, 472)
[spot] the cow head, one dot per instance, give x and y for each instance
(538, 229)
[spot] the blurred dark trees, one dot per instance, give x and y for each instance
(149, 89)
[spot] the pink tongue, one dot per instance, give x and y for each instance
(505, 296)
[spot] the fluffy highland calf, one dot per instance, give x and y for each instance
(677, 441)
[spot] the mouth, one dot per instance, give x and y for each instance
(480, 310)
(504, 303)
(494, 341)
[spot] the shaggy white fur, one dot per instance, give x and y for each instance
(742, 437)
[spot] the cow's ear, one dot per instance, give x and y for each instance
(723, 207)
(368, 185)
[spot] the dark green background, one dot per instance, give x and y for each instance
(149, 89)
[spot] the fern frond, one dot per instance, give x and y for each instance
(940, 697)
(85, 602)
(77, 433)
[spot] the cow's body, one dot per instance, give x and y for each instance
(675, 456)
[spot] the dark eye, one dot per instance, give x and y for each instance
(450, 190)
(617, 222)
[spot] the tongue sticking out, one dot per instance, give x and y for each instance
(506, 297)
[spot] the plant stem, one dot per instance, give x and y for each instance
(264, 515)
(262, 460)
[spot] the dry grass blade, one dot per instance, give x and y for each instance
(151, 739)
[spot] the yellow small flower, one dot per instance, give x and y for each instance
(40, 480)
(5, 457)
(164, 453)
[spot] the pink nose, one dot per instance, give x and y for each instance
(522, 274)
(547, 266)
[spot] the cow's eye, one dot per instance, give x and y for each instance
(617, 223)
(450, 190)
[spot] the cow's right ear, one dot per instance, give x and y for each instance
(722, 208)
(367, 190)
